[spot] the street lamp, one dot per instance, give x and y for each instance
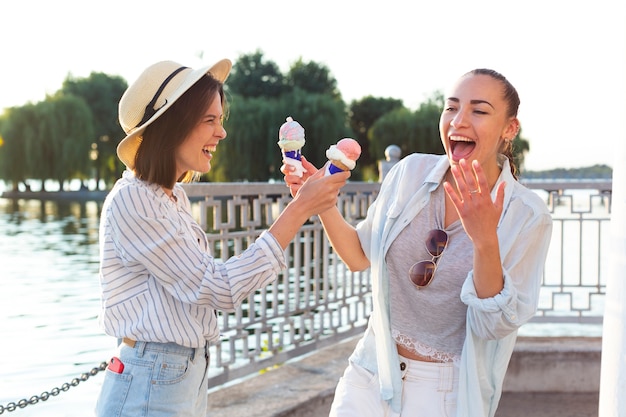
(93, 155)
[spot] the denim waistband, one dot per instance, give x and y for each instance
(169, 347)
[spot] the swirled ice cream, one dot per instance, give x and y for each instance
(291, 140)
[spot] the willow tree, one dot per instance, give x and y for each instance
(251, 152)
(261, 98)
(101, 93)
(59, 148)
(363, 114)
(73, 132)
(18, 128)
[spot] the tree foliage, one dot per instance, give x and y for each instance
(253, 76)
(307, 93)
(251, 152)
(54, 139)
(18, 128)
(64, 138)
(312, 77)
(521, 147)
(363, 114)
(47, 140)
(412, 131)
(101, 93)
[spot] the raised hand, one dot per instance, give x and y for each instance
(472, 199)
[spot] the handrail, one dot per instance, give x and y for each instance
(319, 302)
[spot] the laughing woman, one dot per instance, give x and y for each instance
(160, 285)
(456, 247)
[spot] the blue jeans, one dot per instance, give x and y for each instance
(158, 380)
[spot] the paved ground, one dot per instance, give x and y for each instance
(515, 404)
(304, 388)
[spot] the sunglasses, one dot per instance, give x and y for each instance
(422, 273)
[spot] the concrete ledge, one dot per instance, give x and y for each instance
(555, 364)
(305, 387)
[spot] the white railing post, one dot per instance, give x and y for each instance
(613, 368)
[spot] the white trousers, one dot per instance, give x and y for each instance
(428, 390)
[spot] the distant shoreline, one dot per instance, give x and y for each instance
(602, 185)
(81, 195)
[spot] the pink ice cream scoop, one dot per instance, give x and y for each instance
(343, 155)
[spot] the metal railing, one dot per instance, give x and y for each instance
(318, 302)
(574, 280)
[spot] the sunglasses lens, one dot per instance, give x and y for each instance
(436, 242)
(422, 273)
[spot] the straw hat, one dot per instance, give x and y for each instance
(156, 89)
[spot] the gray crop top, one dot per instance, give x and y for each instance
(430, 321)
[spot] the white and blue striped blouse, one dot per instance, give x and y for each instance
(159, 282)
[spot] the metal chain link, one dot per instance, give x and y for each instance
(12, 406)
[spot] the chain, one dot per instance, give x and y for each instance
(12, 406)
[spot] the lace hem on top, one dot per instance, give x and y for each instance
(422, 349)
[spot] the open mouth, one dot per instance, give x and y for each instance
(461, 147)
(207, 150)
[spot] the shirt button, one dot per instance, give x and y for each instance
(402, 366)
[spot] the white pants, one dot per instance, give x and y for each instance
(428, 390)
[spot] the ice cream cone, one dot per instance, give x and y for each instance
(291, 140)
(342, 156)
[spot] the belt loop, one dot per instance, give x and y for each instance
(141, 347)
(446, 377)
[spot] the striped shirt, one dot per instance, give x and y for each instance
(159, 282)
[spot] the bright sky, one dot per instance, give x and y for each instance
(567, 58)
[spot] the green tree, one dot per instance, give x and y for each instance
(74, 131)
(253, 76)
(102, 94)
(260, 99)
(60, 147)
(416, 131)
(18, 128)
(46, 140)
(521, 147)
(427, 137)
(362, 115)
(251, 152)
(312, 77)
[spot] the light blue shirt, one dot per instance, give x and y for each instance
(524, 233)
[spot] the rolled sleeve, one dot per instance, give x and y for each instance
(524, 252)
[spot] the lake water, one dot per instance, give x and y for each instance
(49, 304)
(50, 301)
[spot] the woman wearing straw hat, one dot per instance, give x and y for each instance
(456, 247)
(160, 285)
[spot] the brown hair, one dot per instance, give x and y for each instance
(513, 101)
(155, 161)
